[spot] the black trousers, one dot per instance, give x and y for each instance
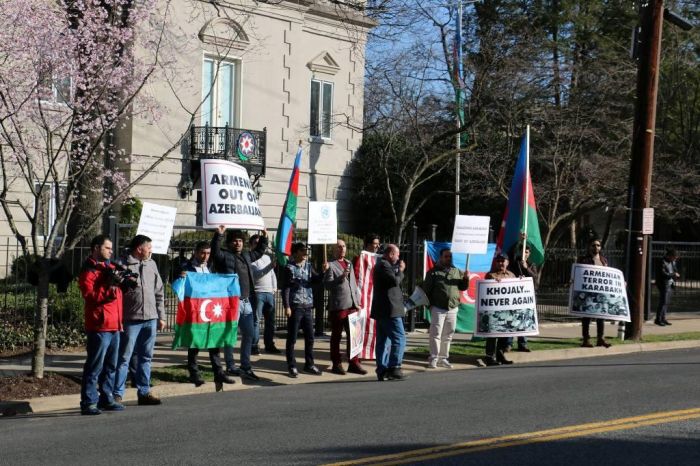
(493, 344)
(664, 303)
(213, 358)
(599, 326)
(301, 318)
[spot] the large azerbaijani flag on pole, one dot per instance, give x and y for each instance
(479, 265)
(207, 312)
(288, 219)
(520, 216)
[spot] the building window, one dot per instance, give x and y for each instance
(219, 92)
(48, 205)
(56, 90)
(321, 108)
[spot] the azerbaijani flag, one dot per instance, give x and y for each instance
(520, 216)
(479, 265)
(285, 229)
(207, 312)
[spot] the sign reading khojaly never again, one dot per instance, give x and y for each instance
(228, 197)
(506, 308)
(598, 292)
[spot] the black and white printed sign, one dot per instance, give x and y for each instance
(228, 197)
(506, 308)
(598, 292)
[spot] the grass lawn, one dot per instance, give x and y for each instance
(476, 348)
(178, 374)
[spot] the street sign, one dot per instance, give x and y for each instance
(648, 221)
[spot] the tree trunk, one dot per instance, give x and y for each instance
(41, 319)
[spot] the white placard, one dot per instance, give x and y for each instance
(648, 221)
(356, 321)
(506, 308)
(228, 197)
(323, 223)
(157, 222)
(471, 234)
(598, 292)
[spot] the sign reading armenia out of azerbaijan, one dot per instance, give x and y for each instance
(506, 308)
(598, 292)
(228, 197)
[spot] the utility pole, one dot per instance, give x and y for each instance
(651, 21)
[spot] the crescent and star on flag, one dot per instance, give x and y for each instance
(217, 311)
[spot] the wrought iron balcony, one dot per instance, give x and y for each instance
(246, 147)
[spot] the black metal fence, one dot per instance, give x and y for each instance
(17, 295)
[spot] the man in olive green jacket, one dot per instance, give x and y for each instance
(442, 285)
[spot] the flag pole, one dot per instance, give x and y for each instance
(527, 184)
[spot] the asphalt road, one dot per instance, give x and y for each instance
(333, 422)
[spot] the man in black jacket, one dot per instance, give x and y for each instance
(388, 311)
(666, 275)
(236, 260)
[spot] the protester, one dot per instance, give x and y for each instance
(371, 244)
(522, 267)
(495, 347)
(388, 311)
(103, 322)
(199, 263)
(298, 301)
(442, 285)
(265, 288)
(236, 260)
(593, 257)
(344, 299)
(666, 275)
(144, 314)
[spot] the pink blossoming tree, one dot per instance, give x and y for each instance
(71, 73)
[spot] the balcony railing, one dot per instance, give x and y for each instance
(246, 147)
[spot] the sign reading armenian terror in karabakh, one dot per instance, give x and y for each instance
(228, 197)
(598, 292)
(506, 308)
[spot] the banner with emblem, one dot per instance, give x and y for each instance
(207, 310)
(323, 223)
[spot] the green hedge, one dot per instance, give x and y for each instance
(20, 335)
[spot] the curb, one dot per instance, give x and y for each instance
(70, 403)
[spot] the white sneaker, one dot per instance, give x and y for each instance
(444, 363)
(433, 363)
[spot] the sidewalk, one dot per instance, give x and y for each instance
(273, 368)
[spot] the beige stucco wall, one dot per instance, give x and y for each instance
(275, 87)
(283, 39)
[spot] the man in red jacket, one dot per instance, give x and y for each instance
(103, 321)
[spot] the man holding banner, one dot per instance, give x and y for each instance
(199, 263)
(236, 260)
(594, 257)
(495, 347)
(442, 285)
(344, 299)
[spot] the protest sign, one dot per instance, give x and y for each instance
(323, 223)
(506, 308)
(157, 222)
(598, 292)
(357, 322)
(470, 234)
(228, 197)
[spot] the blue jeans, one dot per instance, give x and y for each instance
(389, 356)
(522, 342)
(100, 368)
(265, 308)
(245, 328)
(138, 337)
